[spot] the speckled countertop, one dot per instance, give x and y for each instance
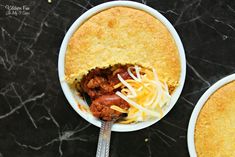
(36, 119)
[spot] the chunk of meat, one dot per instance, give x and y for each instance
(100, 107)
(101, 81)
(95, 84)
(99, 85)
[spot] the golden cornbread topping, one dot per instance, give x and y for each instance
(122, 35)
(215, 126)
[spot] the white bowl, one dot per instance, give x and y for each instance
(73, 100)
(197, 109)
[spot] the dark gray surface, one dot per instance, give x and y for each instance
(36, 119)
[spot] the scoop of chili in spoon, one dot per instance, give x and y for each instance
(105, 133)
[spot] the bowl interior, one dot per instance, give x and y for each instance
(75, 100)
(197, 109)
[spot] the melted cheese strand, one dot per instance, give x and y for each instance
(137, 70)
(132, 90)
(132, 75)
(119, 109)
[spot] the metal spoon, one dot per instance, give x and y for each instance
(104, 139)
(105, 134)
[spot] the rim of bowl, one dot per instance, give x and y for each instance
(197, 109)
(67, 91)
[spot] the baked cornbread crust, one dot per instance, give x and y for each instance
(215, 127)
(126, 36)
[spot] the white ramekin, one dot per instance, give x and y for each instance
(73, 100)
(197, 109)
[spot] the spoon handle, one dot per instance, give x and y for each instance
(104, 139)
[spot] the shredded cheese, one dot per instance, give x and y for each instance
(138, 79)
(132, 90)
(146, 95)
(137, 70)
(137, 105)
(119, 109)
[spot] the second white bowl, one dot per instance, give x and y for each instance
(197, 109)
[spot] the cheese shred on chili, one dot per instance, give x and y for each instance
(146, 95)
